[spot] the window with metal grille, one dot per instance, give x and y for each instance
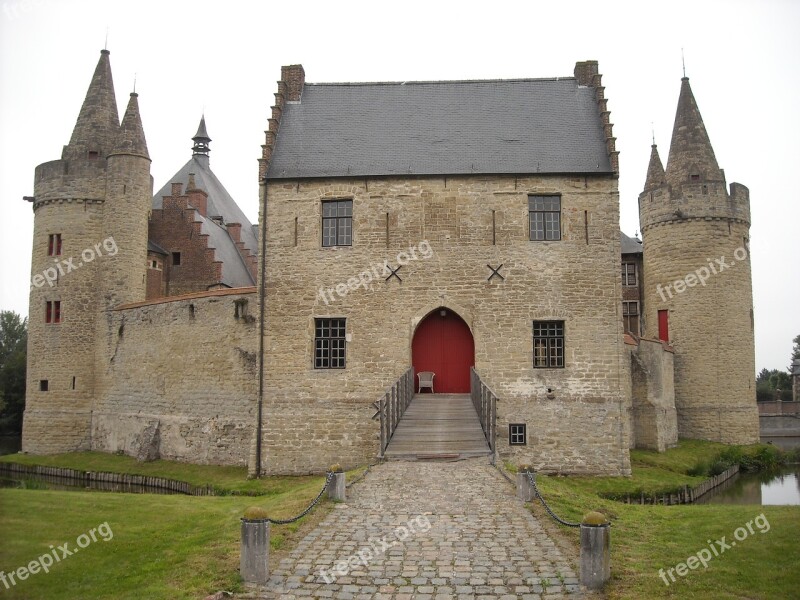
(629, 274)
(52, 313)
(548, 344)
(630, 317)
(329, 343)
(337, 223)
(54, 244)
(517, 434)
(544, 213)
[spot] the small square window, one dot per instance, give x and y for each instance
(176, 258)
(330, 343)
(544, 214)
(517, 434)
(44, 385)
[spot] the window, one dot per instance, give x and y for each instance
(630, 317)
(663, 325)
(44, 385)
(337, 223)
(52, 313)
(176, 258)
(517, 434)
(545, 217)
(54, 244)
(629, 274)
(329, 344)
(548, 344)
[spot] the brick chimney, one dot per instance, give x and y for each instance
(585, 72)
(235, 231)
(295, 78)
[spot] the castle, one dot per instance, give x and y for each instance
(442, 226)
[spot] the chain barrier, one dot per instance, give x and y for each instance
(307, 510)
(360, 477)
(536, 491)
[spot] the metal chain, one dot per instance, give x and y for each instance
(532, 481)
(307, 510)
(360, 477)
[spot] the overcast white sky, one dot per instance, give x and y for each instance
(741, 57)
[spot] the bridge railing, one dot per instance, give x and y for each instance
(485, 402)
(393, 404)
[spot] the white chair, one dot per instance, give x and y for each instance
(426, 380)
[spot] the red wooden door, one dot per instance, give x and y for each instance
(444, 345)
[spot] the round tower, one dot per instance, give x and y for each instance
(697, 282)
(68, 202)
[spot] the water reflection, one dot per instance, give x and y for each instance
(781, 487)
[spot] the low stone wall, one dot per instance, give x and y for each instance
(778, 408)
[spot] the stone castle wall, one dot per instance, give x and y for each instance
(654, 417)
(313, 417)
(181, 372)
(711, 321)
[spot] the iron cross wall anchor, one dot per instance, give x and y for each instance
(495, 272)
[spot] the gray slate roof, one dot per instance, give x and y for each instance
(630, 245)
(220, 203)
(441, 127)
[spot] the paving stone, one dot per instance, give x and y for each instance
(426, 531)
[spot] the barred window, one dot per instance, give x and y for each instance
(329, 344)
(337, 223)
(548, 344)
(630, 317)
(629, 274)
(52, 313)
(544, 213)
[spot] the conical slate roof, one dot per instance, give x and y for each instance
(655, 170)
(690, 153)
(98, 121)
(130, 139)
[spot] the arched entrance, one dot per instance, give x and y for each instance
(443, 344)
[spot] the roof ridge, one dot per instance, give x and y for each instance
(439, 81)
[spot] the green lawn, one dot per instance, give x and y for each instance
(645, 539)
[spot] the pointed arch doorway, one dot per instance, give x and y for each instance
(443, 343)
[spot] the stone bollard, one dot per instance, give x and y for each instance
(524, 488)
(336, 487)
(254, 558)
(595, 550)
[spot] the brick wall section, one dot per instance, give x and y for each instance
(197, 383)
(174, 228)
(313, 417)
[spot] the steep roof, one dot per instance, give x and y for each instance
(630, 245)
(655, 170)
(98, 121)
(220, 202)
(130, 139)
(441, 127)
(690, 151)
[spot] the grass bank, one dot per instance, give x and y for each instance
(647, 539)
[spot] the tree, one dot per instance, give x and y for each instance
(13, 361)
(796, 349)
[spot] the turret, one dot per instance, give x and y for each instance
(697, 281)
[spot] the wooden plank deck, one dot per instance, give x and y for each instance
(438, 425)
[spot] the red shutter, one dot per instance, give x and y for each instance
(663, 325)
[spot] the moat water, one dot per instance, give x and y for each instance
(779, 487)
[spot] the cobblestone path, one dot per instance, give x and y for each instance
(424, 531)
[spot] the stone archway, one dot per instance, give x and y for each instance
(443, 343)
